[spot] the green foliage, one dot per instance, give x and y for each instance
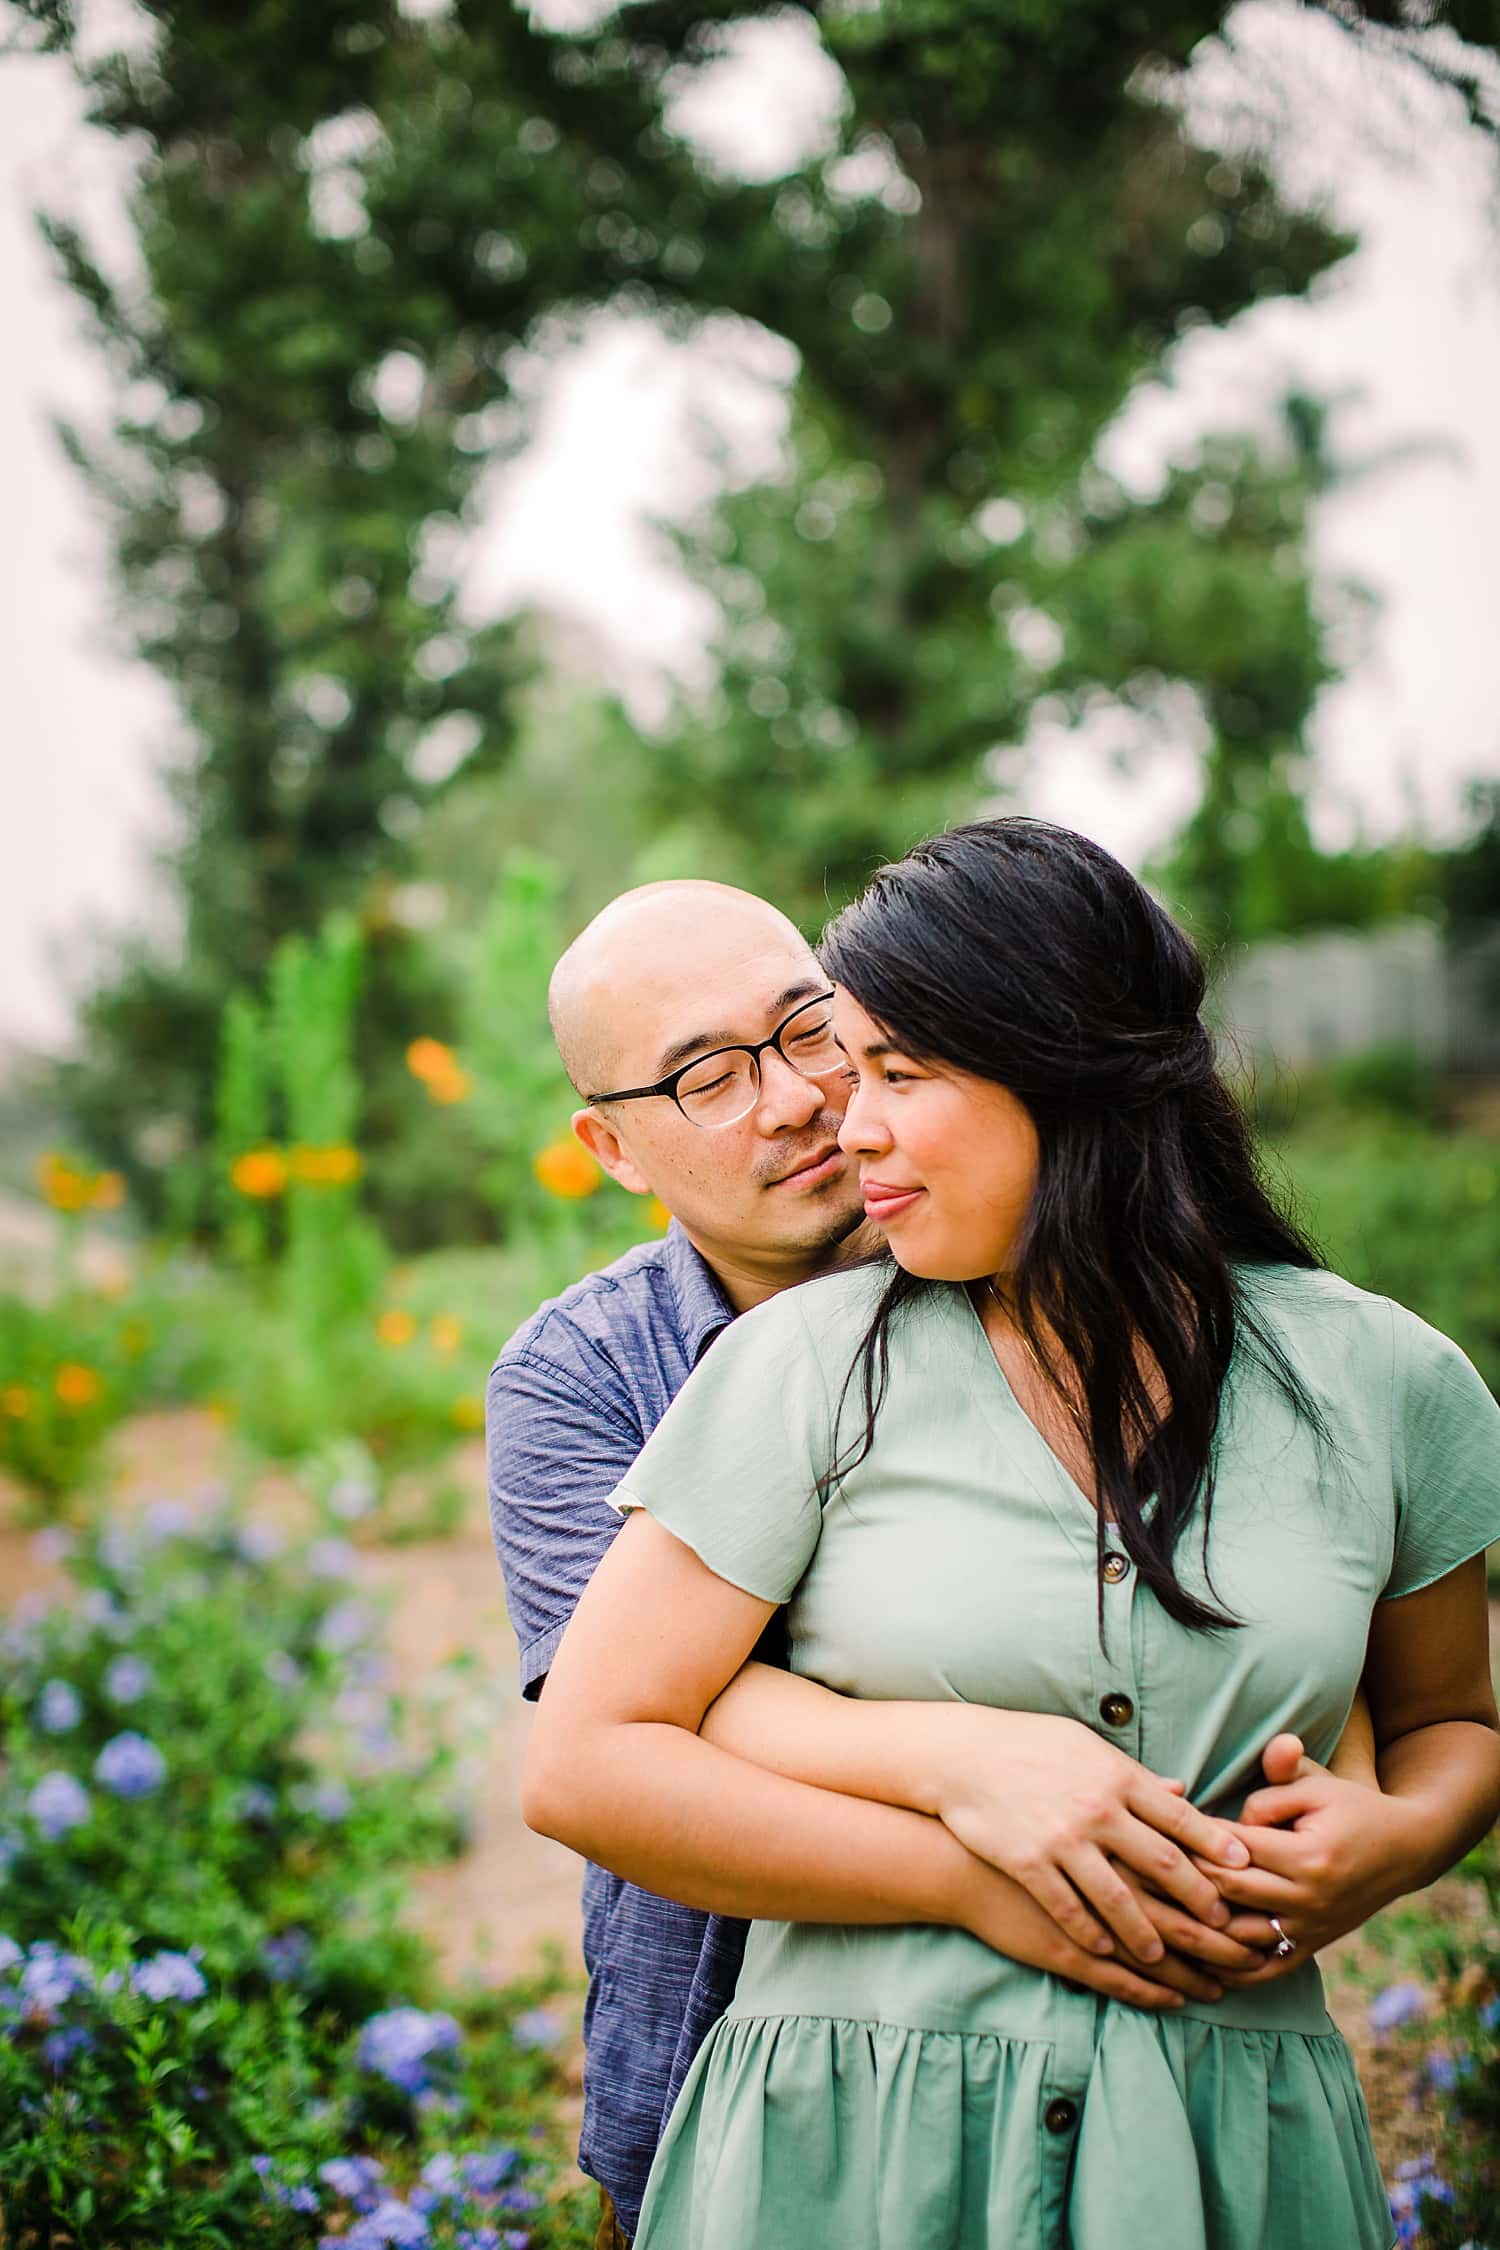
(208, 1803)
(1405, 1209)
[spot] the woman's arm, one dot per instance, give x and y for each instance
(1349, 1851)
(1042, 1798)
(616, 1769)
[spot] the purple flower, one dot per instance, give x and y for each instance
(260, 1542)
(102, 1610)
(479, 2238)
(256, 1803)
(440, 2172)
(330, 1558)
(168, 1976)
(57, 1803)
(1441, 2071)
(59, 2047)
(286, 1955)
(128, 1679)
(10, 1954)
(485, 2170)
(1489, 2015)
(537, 2027)
(344, 1627)
(168, 1519)
(282, 2191)
(356, 2178)
(130, 1765)
(1397, 2004)
(329, 1800)
(59, 1708)
(54, 1545)
(391, 2222)
(400, 2044)
(51, 1978)
(519, 2199)
(281, 1670)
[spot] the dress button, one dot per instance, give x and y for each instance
(1116, 1710)
(1115, 1568)
(1060, 2116)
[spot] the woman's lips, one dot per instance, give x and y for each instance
(884, 1203)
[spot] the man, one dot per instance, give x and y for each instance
(692, 1019)
(662, 976)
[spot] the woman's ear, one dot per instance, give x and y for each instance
(604, 1145)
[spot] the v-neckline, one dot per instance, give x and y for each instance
(1008, 1392)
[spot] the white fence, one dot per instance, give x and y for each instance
(1309, 1000)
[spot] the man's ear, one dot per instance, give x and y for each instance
(603, 1144)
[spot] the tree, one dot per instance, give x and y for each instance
(349, 221)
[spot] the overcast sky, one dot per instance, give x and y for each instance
(1406, 333)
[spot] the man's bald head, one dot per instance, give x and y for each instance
(644, 950)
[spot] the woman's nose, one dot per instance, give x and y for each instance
(862, 1133)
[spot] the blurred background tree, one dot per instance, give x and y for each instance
(353, 220)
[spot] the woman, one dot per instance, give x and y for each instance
(1104, 1442)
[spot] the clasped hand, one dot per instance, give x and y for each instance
(1131, 1873)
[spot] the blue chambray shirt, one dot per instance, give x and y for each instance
(572, 1399)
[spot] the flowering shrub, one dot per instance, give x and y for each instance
(1448, 2196)
(212, 2027)
(72, 1369)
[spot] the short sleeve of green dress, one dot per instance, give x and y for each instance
(908, 2089)
(732, 1467)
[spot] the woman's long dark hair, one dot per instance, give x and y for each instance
(1028, 956)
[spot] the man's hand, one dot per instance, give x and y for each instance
(1073, 1819)
(1326, 1854)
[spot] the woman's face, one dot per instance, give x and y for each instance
(947, 1162)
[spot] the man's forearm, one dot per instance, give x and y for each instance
(1447, 1777)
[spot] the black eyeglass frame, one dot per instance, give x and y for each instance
(673, 1080)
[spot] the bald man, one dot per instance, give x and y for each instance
(742, 1148)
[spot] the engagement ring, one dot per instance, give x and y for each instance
(1285, 1946)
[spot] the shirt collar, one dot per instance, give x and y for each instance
(703, 1310)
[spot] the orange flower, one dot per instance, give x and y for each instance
(429, 1058)
(76, 1386)
(15, 1400)
(446, 1333)
(468, 1413)
(658, 1214)
(395, 1328)
(566, 1170)
(65, 1188)
(450, 1085)
(260, 1172)
(107, 1191)
(338, 1166)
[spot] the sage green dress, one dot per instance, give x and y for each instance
(908, 2089)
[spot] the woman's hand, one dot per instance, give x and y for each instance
(1073, 1819)
(1326, 1854)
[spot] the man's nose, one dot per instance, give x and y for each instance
(786, 1097)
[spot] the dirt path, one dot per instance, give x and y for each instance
(513, 1897)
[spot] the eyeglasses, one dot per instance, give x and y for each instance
(723, 1086)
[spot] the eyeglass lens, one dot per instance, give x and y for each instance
(724, 1087)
